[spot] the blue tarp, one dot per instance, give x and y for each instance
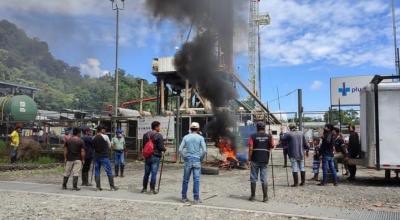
(244, 133)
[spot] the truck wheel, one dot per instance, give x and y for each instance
(209, 170)
(387, 174)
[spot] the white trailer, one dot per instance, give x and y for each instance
(380, 120)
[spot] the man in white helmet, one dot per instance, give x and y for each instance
(192, 149)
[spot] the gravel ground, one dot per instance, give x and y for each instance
(20, 206)
(369, 192)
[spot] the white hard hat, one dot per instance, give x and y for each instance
(195, 125)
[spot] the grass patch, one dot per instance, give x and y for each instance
(39, 160)
(3, 147)
(4, 161)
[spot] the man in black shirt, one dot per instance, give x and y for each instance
(260, 145)
(88, 139)
(74, 157)
(152, 163)
(102, 146)
(354, 149)
(327, 155)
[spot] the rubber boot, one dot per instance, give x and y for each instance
(144, 190)
(85, 179)
(111, 181)
(122, 170)
(265, 192)
(153, 189)
(303, 178)
(65, 181)
(316, 176)
(295, 179)
(253, 192)
(98, 186)
(75, 183)
(116, 170)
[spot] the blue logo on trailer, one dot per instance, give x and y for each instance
(344, 90)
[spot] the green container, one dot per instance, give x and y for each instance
(20, 108)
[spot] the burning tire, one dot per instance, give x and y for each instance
(210, 170)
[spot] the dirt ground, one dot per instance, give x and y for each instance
(369, 192)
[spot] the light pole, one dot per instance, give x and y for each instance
(117, 5)
(396, 49)
(262, 20)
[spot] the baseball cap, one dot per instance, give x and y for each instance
(260, 125)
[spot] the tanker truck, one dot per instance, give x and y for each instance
(19, 108)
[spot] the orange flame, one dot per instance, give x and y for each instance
(226, 150)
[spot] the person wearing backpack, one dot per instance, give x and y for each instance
(153, 148)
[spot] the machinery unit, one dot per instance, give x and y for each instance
(380, 126)
(20, 108)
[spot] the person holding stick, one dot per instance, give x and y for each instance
(153, 162)
(260, 145)
(192, 149)
(297, 144)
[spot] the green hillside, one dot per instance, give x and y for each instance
(27, 61)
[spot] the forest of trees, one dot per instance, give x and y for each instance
(28, 61)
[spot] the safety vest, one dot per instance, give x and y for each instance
(261, 146)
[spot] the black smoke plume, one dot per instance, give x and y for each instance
(198, 60)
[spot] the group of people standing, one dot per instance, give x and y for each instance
(333, 149)
(260, 146)
(329, 148)
(82, 151)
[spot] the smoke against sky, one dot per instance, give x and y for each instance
(198, 59)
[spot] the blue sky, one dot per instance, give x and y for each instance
(307, 43)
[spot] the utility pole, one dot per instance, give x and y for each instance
(300, 108)
(396, 50)
(117, 5)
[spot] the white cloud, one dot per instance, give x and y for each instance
(338, 32)
(70, 7)
(86, 20)
(316, 85)
(92, 68)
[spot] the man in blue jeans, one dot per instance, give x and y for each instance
(192, 150)
(327, 148)
(260, 145)
(297, 144)
(152, 163)
(119, 148)
(102, 146)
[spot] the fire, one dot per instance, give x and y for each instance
(229, 159)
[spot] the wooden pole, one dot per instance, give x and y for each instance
(141, 96)
(162, 94)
